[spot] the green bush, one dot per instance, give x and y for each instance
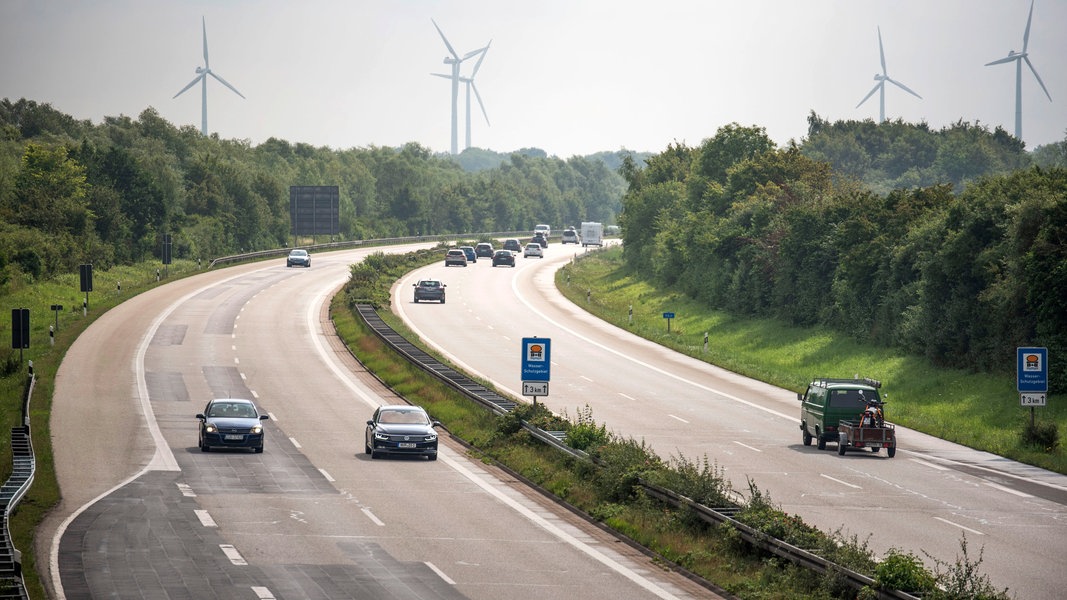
(903, 571)
(584, 433)
(1045, 436)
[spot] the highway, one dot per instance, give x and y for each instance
(926, 500)
(146, 514)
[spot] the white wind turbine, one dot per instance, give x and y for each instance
(455, 61)
(1019, 57)
(880, 86)
(201, 76)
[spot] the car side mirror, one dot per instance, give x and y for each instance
(201, 416)
(414, 285)
(371, 423)
(264, 417)
(435, 424)
(800, 396)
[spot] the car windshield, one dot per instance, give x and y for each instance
(403, 417)
(232, 409)
(429, 284)
(298, 253)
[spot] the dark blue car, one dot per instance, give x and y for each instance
(231, 423)
(401, 429)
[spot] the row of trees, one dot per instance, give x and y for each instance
(74, 192)
(962, 277)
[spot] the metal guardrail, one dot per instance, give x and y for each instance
(500, 405)
(11, 493)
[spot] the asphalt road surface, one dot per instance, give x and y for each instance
(146, 514)
(926, 499)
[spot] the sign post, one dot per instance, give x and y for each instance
(1031, 366)
(536, 366)
(668, 316)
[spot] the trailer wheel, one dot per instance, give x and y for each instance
(842, 443)
(892, 451)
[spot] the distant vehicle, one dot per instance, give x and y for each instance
(540, 239)
(569, 236)
(592, 234)
(504, 257)
(455, 256)
(827, 401)
(298, 258)
(542, 228)
(469, 252)
(429, 289)
(513, 244)
(401, 429)
(484, 250)
(533, 249)
(231, 423)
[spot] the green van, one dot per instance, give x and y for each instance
(827, 401)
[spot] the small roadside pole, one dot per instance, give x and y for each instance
(705, 342)
(56, 308)
(85, 273)
(1031, 365)
(668, 316)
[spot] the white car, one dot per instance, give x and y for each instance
(533, 249)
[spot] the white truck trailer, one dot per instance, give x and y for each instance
(592, 234)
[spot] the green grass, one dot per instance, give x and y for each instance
(979, 410)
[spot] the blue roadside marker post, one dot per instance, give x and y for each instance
(668, 316)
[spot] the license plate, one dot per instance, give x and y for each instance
(407, 445)
(234, 436)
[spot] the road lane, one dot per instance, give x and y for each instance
(681, 406)
(312, 516)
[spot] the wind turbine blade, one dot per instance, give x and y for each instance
(478, 64)
(223, 82)
(1034, 71)
(479, 97)
(191, 84)
(881, 51)
(1026, 35)
(203, 22)
(903, 87)
(871, 93)
(1007, 58)
(445, 40)
(441, 75)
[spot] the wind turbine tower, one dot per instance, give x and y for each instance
(880, 86)
(455, 61)
(1019, 57)
(201, 76)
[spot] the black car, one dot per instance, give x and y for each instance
(231, 423)
(513, 244)
(429, 289)
(540, 239)
(504, 257)
(484, 250)
(401, 429)
(298, 258)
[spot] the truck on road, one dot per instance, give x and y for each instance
(592, 234)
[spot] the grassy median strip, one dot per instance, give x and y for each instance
(609, 490)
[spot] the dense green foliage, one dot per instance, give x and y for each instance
(962, 278)
(73, 192)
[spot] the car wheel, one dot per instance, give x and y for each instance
(366, 448)
(842, 444)
(258, 450)
(807, 438)
(374, 455)
(821, 445)
(442, 300)
(432, 457)
(416, 300)
(205, 448)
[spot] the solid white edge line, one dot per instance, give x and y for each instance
(372, 517)
(559, 533)
(743, 445)
(327, 475)
(1003, 488)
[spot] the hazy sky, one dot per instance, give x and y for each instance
(568, 76)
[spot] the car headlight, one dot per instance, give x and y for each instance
(257, 429)
(432, 437)
(381, 436)
(209, 428)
